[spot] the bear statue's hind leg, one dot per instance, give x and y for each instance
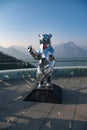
(40, 80)
(48, 84)
(40, 84)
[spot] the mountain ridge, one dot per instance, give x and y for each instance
(12, 51)
(69, 50)
(62, 50)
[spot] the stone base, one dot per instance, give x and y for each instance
(51, 95)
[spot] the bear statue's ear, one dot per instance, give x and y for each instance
(39, 35)
(50, 35)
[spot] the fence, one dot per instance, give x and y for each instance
(62, 68)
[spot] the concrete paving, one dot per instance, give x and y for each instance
(17, 114)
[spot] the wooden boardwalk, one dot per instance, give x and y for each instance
(17, 114)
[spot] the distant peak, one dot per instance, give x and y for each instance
(71, 42)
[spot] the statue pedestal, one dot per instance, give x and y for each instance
(46, 95)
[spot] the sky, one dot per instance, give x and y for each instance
(21, 21)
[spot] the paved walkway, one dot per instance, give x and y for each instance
(17, 114)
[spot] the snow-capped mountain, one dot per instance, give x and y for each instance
(69, 50)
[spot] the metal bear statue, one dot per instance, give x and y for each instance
(45, 56)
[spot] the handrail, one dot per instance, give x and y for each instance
(31, 69)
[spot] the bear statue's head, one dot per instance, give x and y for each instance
(45, 39)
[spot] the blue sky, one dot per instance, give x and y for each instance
(22, 20)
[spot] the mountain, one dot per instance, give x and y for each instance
(63, 50)
(19, 54)
(84, 47)
(69, 50)
(9, 62)
(22, 49)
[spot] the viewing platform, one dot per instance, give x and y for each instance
(15, 113)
